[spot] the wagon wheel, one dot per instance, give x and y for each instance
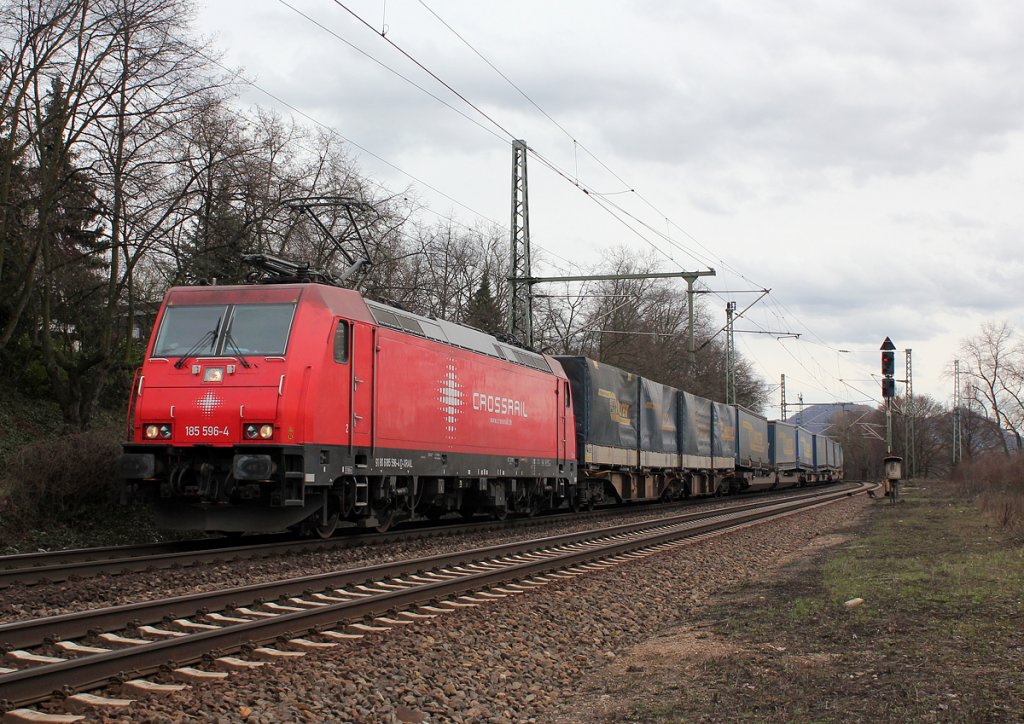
(583, 499)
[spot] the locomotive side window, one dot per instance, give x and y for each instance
(189, 328)
(341, 342)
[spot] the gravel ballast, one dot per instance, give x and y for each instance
(518, 659)
(20, 602)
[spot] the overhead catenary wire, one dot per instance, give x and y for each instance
(333, 131)
(628, 188)
(591, 193)
(510, 136)
(616, 210)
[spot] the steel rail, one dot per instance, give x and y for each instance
(31, 685)
(34, 632)
(57, 566)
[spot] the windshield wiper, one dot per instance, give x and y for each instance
(229, 342)
(207, 338)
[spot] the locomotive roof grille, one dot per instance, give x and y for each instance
(455, 335)
(410, 325)
(530, 360)
(385, 317)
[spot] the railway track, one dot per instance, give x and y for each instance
(57, 566)
(82, 651)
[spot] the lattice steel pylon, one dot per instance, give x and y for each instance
(909, 412)
(730, 355)
(520, 305)
(958, 452)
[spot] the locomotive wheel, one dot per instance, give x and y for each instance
(326, 530)
(384, 521)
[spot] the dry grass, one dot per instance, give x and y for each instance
(996, 483)
(938, 636)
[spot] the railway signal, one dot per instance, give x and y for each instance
(888, 388)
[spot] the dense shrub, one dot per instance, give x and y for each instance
(996, 482)
(61, 478)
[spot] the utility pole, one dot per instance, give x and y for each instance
(783, 386)
(958, 452)
(520, 307)
(730, 355)
(909, 412)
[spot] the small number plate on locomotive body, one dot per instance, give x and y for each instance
(207, 431)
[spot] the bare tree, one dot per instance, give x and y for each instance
(124, 77)
(641, 325)
(37, 36)
(861, 431)
(993, 366)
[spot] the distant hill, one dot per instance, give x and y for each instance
(817, 417)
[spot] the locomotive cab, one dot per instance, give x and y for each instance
(225, 401)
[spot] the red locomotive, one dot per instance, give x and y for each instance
(301, 405)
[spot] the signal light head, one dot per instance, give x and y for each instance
(888, 363)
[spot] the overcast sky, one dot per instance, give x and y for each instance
(863, 160)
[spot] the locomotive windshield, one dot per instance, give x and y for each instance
(200, 331)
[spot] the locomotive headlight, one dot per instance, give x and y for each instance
(213, 374)
(153, 432)
(254, 431)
